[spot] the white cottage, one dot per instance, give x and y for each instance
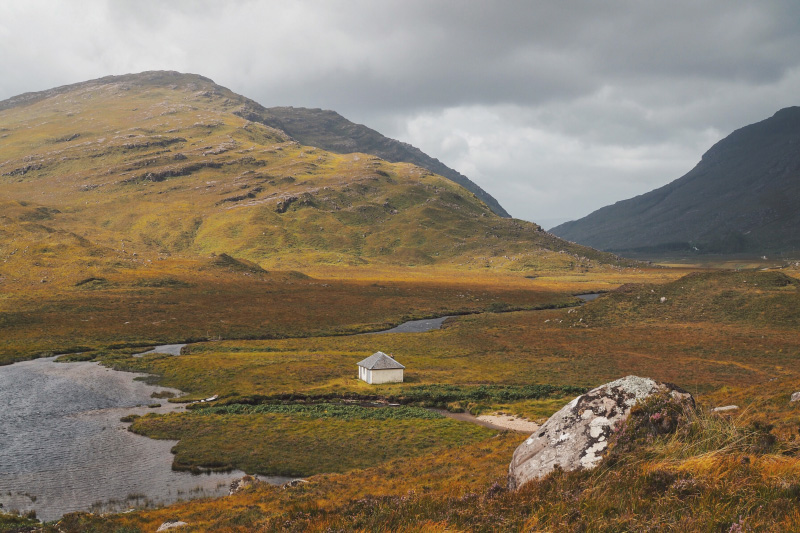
(380, 368)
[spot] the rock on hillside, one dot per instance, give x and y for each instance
(741, 197)
(577, 436)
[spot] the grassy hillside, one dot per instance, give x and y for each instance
(161, 163)
(746, 299)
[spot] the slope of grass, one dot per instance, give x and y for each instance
(142, 164)
(751, 298)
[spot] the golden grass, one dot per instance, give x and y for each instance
(463, 490)
(178, 301)
(297, 445)
(518, 348)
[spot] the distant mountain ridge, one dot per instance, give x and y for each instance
(741, 198)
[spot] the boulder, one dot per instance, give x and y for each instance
(293, 483)
(166, 526)
(795, 397)
(577, 436)
(238, 485)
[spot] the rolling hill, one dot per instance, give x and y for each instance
(162, 163)
(741, 198)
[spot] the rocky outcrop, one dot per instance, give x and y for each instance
(795, 397)
(577, 436)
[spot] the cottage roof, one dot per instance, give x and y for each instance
(379, 361)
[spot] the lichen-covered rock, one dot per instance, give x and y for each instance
(238, 485)
(166, 526)
(293, 483)
(577, 436)
(795, 397)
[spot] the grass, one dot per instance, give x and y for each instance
(323, 410)
(707, 473)
(515, 349)
(203, 301)
(457, 470)
(751, 298)
(14, 523)
(302, 441)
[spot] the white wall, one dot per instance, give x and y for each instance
(391, 375)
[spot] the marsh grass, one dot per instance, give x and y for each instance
(203, 305)
(15, 522)
(302, 442)
(324, 410)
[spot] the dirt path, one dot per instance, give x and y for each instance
(499, 422)
(523, 425)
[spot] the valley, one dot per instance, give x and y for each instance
(161, 208)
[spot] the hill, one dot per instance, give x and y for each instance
(164, 163)
(741, 198)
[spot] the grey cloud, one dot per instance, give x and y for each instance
(573, 102)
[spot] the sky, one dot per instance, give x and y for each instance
(556, 108)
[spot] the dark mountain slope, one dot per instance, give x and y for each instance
(742, 197)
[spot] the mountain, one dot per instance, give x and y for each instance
(163, 163)
(741, 198)
(320, 128)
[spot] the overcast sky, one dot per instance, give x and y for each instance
(556, 108)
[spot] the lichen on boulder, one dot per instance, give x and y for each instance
(578, 435)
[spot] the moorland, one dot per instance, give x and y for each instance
(144, 210)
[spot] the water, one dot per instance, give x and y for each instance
(415, 326)
(169, 349)
(63, 448)
(588, 297)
